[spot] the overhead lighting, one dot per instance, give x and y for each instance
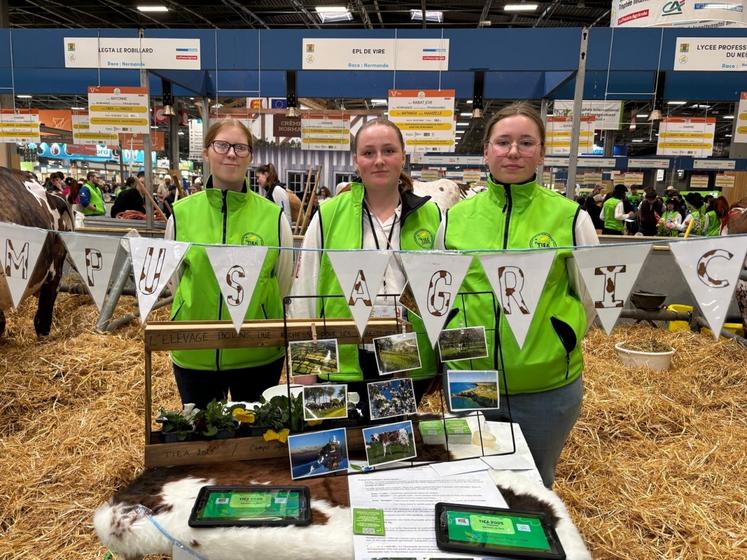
(23, 96)
(520, 7)
(642, 116)
(462, 124)
(430, 15)
(154, 127)
(181, 133)
(153, 8)
(729, 117)
(465, 114)
(637, 140)
(379, 102)
(676, 102)
(333, 13)
(728, 135)
(485, 23)
(701, 106)
(469, 102)
(78, 108)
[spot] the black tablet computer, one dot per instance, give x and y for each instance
(496, 532)
(251, 506)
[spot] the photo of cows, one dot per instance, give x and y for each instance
(318, 453)
(462, 344)
(321, 402)
(472, 389)
(318, 357)
(395, 397)
(389, 443)
(397, 353)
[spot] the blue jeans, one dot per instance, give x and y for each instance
(546, 419)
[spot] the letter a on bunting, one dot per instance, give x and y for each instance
(237, 269)
(435, 280)
(153, 263)
(518, 280)
(360, 275)
(93, 256)
(609, 275)
(711, 268)
(20, 248)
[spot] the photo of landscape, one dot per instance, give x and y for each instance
(462, 344)
(325, 401)
(313, 357)
(472, 389)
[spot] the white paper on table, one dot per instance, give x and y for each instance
(459, 467)
(513, 462)
(408, 498)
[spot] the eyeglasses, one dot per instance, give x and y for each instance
(526, 146)
(221, 147)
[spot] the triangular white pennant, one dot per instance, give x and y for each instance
(360, 276)
(153, 263)
(237, 269)
(93, 256)
(435, 279)
(518, 280)
(609, 274)
(20, 248)
(711, 268)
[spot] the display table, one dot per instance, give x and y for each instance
(151, 513)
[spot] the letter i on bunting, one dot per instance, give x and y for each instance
(711, 268)
(518, 280)
(93, 256)
(609, 274)
(360, 275)
(21, 247)
(435, 280)
(153, 263)
(237, 269)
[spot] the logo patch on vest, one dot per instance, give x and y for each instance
(251, 238)
(424, 238)
(542, 240)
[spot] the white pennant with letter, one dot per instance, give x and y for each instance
(20, 248)
(237, 269)
(711, 268)
(93, 256)
(435, 280)
(360, 275)
(609, 275)
(518, 280)
(153, 263)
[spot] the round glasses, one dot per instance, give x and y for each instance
(221, 147)
(526, 146)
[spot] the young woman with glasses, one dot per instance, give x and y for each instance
(227, 212)
(544, 376)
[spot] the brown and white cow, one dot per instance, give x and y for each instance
(738, 224)
(385, 439)
(26, 203)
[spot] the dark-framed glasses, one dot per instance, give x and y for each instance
(221, 147)
(525, 146)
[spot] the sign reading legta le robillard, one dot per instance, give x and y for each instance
(376, 54)
(129, 54)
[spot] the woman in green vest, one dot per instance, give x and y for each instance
(613, 212)
(716, 217)
(381, 213)
(670, 221)
(543, 377)
(696, 215)
(227, 212)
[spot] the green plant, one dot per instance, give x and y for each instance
(275, 413)
(176, 422)
(214, 418)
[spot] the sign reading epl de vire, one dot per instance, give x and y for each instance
(376, 54)
(132, 54)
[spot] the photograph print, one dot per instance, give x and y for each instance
(397, 353)
(316, 357)
(466, 343)
(389, 443)
(318, 453)
(395, 397)
(472, 389)
(322, 402)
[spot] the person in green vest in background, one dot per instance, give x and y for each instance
(613, 212)
(716, 217)
(227, 212)
(543, 377)
(671, 220)
(696, 215)
(381, 212)
(91, 199)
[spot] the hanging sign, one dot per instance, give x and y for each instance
(740, 131)
(20, 127)
(471, 175)
(286, 127)
(648, 163)
(376, 54)
(20, 248)
(83, 136)
(425, 117)
(725, 180)
(325, 131)
(132, 53)
(429, 174)
(137, 141)
(709, 54)
(558, 135)
(699, 181)
(195, 139)
(630, 179)
(714, 164)
(686, 136)
(93, 256)
(677, 13)
(118, 109)
(607, 114)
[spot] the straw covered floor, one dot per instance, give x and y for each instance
(656, 466)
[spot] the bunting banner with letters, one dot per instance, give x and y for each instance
(93, 257)
(21, 247)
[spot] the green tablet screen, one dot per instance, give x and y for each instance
(259, 505)
(518, 532)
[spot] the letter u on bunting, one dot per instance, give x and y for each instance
(93, 256)
(609, 274)
(237, 269)
(20, 247)
(518, 280)
(360, 275)
(435, 280)
(153, 263)
(711, 268)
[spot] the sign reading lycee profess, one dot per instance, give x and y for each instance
(709, 54)
(118, 109)
(129, 54)
(376, 54)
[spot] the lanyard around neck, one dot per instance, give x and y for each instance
(374, 229)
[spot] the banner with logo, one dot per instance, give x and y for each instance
(93, 257)
(607, 114)
(83, 136)
(325, 131)
(558, 135)
(132, 53)
(19, 127)
(20, 247)
(425, 117)
(711, 54)
(118, 109)
(375, 54)
(686, 136)
(677, 13)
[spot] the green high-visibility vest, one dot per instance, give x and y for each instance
(608, 210)
(96, 202)
(520, 216)
(219, 217)
(341, 221)
(714, 224)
